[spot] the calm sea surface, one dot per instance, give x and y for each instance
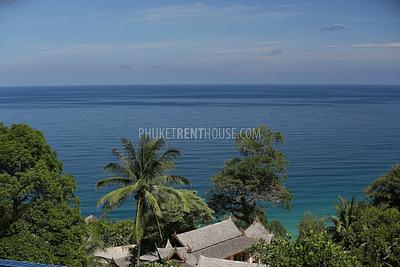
(338, 138)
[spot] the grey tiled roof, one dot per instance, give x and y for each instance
(228, 248)
(222, 250)
(258, 231)
(167, 253)
(209, 235)
(217, 241)
(119, 254)
(212, 262)
(192, 259)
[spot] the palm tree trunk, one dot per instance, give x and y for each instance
(137, 222)
(138, 254)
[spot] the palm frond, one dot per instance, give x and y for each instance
(157, 145)
(117, 168)
(113, 199)
(114, 180)
(129, 149)
(120, 155)
(132, 156)
(167, 158)
(114, 167)
(144, 158)
(107, 207)
(179, 194)
(172, 180)
(153, 203)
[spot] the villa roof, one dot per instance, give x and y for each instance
(221, 240)
(228, 248)
(209, 235)
(221, 250)
(118, 254)
(257, 230)
(167, 253)
(213, 262)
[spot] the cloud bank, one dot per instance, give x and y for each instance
(368, 45)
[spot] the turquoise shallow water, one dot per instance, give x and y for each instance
(338, 138)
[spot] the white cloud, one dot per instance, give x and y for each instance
(244, 50)
(201, 11)
(367, 45)
(387, 45)
(79, 48)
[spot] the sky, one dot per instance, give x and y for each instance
(82, 42)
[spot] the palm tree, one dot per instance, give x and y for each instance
(345, 215)
(142, 174)
(90, 246)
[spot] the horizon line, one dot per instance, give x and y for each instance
(202, 84)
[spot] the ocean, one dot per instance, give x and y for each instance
(338, 137)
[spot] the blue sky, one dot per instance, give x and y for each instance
(47, 42)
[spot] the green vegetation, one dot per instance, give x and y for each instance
(257, 176)
(385, 191)
(345, 216)
(143, 174)
(374, 236)
(41, 222)
(311, 250)
(112, 233)
(310, 224)
(40, 217)
(360, 234)
(175, 220)
(277, 228)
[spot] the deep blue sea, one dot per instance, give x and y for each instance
(338, 138)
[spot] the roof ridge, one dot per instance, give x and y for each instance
(208, 226)
(209, 235)
(218, 243)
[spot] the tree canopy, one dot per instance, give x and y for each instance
(385, 190)
(113, 233)
(310, 223)
(257, 176)
(312, 250)
(374, 236)
(37, 201)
